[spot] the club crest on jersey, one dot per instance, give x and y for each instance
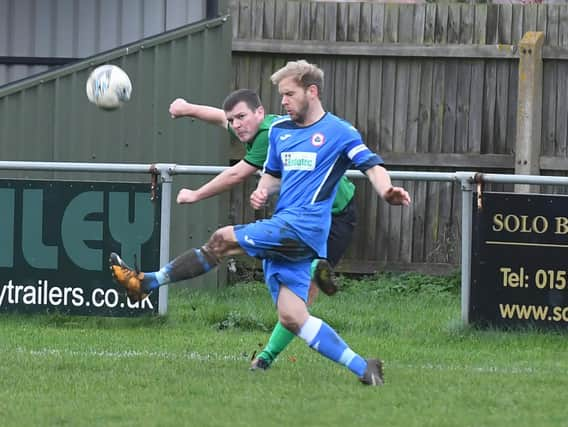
(297, 160)
(318, 139)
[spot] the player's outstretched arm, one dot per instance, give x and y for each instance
(267, 185)
(222, 182)
(181, 108)
(381, 181)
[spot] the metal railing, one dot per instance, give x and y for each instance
(166, 172)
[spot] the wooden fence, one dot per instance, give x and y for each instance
(430, 87)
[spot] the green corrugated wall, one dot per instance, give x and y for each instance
(48, 118)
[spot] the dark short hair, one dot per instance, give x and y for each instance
(247, 96)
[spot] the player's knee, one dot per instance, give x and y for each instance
(290, 322)
(219, 242)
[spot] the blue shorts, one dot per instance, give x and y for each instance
(286, 258)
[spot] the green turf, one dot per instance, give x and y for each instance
(191, 368)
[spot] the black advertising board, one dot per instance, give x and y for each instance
(519, 268)
(56, 240)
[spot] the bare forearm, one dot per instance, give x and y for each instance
(181, 108)
(380, 179)
(381, 182)
(221, 183)
(269, 183)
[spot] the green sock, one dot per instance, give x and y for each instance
(313, 267)
(278, 341)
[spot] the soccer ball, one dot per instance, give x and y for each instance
(108, 87)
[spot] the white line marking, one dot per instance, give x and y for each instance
(194, 355)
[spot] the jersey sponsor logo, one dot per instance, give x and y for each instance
(298, 160)
(318, 139)
(285, 136)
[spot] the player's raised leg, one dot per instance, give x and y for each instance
(192, 263)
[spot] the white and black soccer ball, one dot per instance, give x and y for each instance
(108, 87)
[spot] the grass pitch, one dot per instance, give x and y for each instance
(191, 368)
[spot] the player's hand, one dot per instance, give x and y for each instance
(258, 198)
(397, 196)
(178, 108)
(186, 195)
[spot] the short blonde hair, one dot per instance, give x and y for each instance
(304, 73)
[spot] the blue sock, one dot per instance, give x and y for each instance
(156, 279)
(322, 338)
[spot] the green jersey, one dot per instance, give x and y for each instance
(256, 152)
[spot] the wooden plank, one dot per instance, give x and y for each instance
(386, 130)
(257, 18)
(331, 22)
(305, 21)
(244, 25)
(425, 117)
(492, 22)
(438, 106)
(468, 161)
(419, 24)
(413, 118)
(454, 23)
(234, 10)
(489, 106)
(367, 247)
(406, 226)
(517, 25)
(365, 23)
(342, 22)
(268, 19)
(441, 28)
(431, 216)
(391, 23)
(562, 87)
(292, 21)
(374, 104)
(480, 28)
(317, 21)
(478, 73)
(550, 86)
(502, 139)
(464, 83)
(383, 242)
(312, 47)
(451, 83)
(351, 85)
(415, 71)
(364, 92)
(268, 94)
(530, 14)
(356, 266)
(338, 79)
(280, 21)
(353, 22)
(377, 23)
(542, 20)
(418, 223)
(400, 113)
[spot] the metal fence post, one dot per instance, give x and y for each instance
(167, 181)
(466, 180)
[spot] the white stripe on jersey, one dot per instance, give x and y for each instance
(323, 181)
(356, 150)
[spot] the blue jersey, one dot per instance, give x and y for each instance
(310, 161)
